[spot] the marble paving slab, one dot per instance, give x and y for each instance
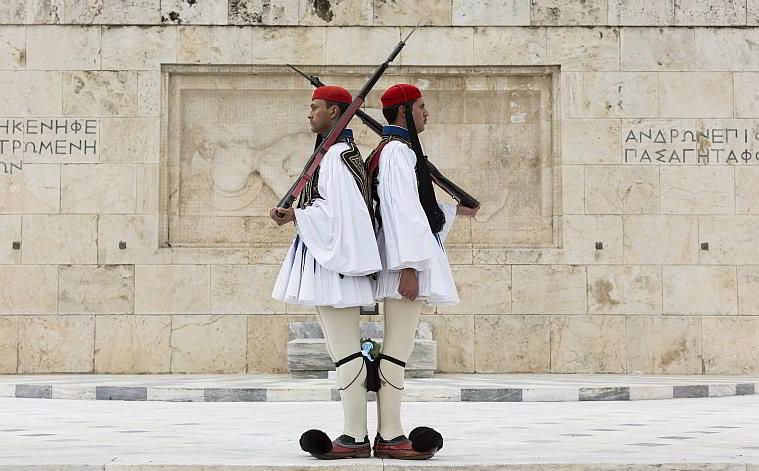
(699, 434)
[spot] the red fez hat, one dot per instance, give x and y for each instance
(332, 93)
(399, 93)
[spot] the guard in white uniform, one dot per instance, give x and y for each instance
(328, 265)
(404, 238)
(330, 257)
(411, 228)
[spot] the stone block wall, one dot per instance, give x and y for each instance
(658, 161)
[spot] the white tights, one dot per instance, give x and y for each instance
(341, 331)
(340, 327)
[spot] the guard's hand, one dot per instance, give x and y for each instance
(281, 215)
(409, 284)
(465, 211)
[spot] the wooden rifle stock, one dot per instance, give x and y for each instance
(456, 192)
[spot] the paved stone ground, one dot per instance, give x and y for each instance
(440, 388)
(684, 434)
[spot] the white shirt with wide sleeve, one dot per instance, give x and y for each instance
(334, 237)
(405, 239)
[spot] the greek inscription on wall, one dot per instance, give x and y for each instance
(32, 140)
(681, 145)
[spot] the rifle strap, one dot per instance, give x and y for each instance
(372, 164)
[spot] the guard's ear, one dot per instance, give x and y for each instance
(333, 111)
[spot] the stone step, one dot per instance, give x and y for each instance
(308, 358)
(307, 355)
(368, 329)
(441, 388)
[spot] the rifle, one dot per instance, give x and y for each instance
(316, 158)
(456, 192)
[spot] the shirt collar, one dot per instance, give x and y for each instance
(397, 131)
(347, 133)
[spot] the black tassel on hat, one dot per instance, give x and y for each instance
(435, 215)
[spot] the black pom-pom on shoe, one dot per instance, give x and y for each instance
(424, 439)
(416, 431)
(315, 441)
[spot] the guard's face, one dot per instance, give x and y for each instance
(321, 117)
(420, 114)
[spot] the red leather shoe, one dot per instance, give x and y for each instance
(317, 444)
(400, 448)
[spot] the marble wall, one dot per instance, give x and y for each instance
(653, 184)
(490, 128)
